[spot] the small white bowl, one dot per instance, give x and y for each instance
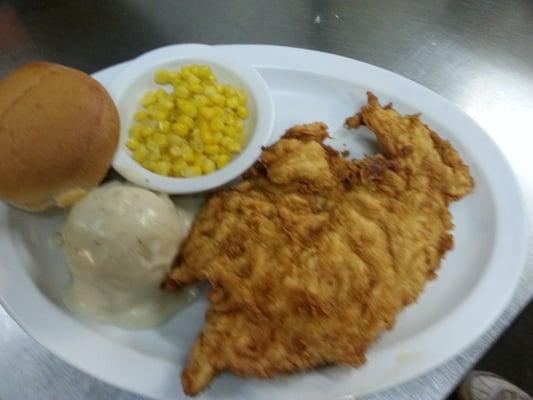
(137, 78)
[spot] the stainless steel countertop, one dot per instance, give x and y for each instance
(478, 54)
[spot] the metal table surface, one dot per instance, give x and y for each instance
(478, 54)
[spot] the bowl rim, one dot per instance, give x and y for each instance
(126, 166)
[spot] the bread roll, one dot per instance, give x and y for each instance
(59, 130)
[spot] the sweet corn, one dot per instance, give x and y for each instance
(162, 76)
(175, 140)
(200, 100)
(163, 126)
(242, 111)
(160, 140)
(194, 170)
(222, 160)
(211, 149)
(163, 168)
(196, 87)
(140, 154)
(188, 109)
(140, 115)
(232, 102)
(217, 124)
(192, 130)
(207, 112)
(150, 165)
(181, 91)
(197, 145)
(175, 152)
(187, 154)
(132, 144)
(148, 99)
(179, 167)
(186, 120)
(180, 129)
(208, 166)
(174, 77)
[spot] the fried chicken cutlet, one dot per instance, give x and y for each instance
(312, 255)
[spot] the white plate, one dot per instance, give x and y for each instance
(475, 281)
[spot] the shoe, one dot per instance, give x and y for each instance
(480, 385)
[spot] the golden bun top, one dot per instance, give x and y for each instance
(59, 129)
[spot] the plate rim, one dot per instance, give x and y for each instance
(292, 58)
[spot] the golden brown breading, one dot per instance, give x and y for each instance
(312, 255)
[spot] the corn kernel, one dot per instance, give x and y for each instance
(211, 149)
(197, 145)
(222, 160)
(196, 87)
(242, 111)
(207, 112)
(151, 145)
(140, 115)
(241, 96)
(175, 140)
(187, 154)
(204, 71)
(162, 76)
(166, 104)
(160, 93)
(210, 91)
(140, 154)
(200, 100)
(160, 140)
(179, 167)
(202, 124)
(218, 99)
(132, 144)
(181, 92)
(163, 126)
(186, 120)
(199, 159)
(148, 99)
(232, 102)
(136, 131)
(230, 131)
(163, 167)
(194, 170)
(136, 135)
(207, 137)
(175, 152)
(195, 135)
(159, 114)
(219, 111)
(217, 137)
(147, 131)
(208, 166)
(174, 77)
(150, 165)
(229, 91)
(189, 109)
(234, 147)
(180, 129)
(153, 155)
(217, 124)
(194, 69)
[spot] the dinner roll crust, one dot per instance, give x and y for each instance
(59, 129)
